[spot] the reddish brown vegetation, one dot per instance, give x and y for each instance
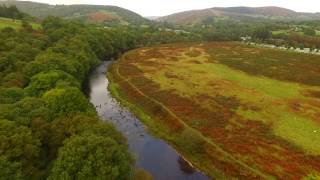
(249, 141)
(100, 17)
(312, 93)
(285, 66)
(312, 106)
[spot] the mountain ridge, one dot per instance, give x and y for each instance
(238, 12)
(88, 13)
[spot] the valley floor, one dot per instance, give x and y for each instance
(231, 109)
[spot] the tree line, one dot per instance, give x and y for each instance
(297, 34)
(11, 12)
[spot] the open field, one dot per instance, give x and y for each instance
(231, 109)
(5, 22)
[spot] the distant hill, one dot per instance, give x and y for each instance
(238, 13)
(152, 17)
(88, 13)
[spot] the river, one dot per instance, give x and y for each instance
(152, 154)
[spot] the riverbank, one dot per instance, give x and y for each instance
(197, 149)
(167, 164)
(218, 117)
(158, 130)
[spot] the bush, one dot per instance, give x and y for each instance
(194, 143)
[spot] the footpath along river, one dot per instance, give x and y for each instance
(152, 154)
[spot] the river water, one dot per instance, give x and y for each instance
(152, 154)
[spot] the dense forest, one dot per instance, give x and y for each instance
(47, 124)
(48, 128)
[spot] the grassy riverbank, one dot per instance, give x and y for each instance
(231, 109)
(158, 130)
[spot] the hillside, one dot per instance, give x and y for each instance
(87, 13)
(238, 13)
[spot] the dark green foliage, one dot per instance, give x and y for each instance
(41, 75)
(298, 40)
(26, 26)
(17, 147)
(309, 32)
(67, 101)
(63, 128)
(25, 110)
(10, 95)
(10, 170)
(226, 30)
(45, 81)
(55, 61)
(194, 143)
(262, 33)
(82, 126)
(91, 157)
(11, 12)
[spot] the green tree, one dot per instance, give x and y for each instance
(26, 26)
(11, 12)
(309, 32)
(92, 157)
(45, 81)
(18, 146)
(14, 79)
(66, 127)
(63, 128)
(55, 61)
(67, 101)
(10, 95)
(262, 33)
(29, 108)
(10, 170)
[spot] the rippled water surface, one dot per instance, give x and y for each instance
(152, 154)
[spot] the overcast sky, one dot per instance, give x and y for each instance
(165, 7)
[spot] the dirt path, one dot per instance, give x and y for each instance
(209, 141)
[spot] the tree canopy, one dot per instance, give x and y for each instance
(42, 101)
(45, 110)
(91, 157)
